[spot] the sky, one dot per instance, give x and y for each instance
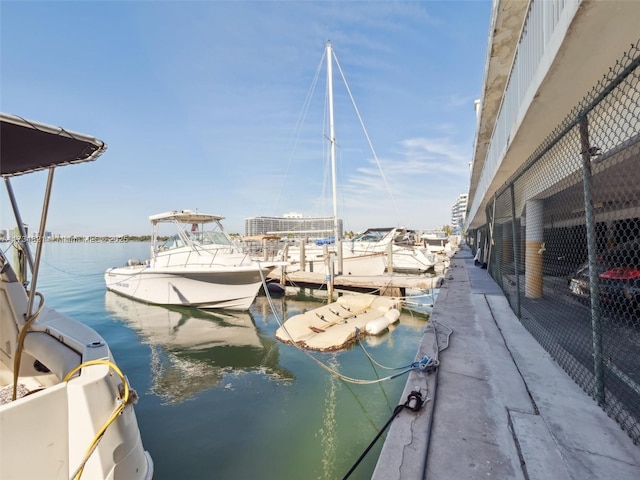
(219, 107)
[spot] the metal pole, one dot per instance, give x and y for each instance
(328, 271)
(516, 250)
(285, 256)
(40, 241)
(332, 140)
(596, 321)
(23, 233)
(491, 265)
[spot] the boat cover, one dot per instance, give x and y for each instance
(184, 216)
(28, 146)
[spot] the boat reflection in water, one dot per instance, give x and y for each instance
(193, 349)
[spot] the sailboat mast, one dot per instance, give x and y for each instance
(332, 139)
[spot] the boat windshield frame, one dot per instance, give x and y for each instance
(192, 235)
(374, 235)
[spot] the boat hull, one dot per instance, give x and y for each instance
(59, 418)
(229, 288)
(358, 265)
(412, 261)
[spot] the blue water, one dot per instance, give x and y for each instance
(219, 396)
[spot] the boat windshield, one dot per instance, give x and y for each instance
(405, 237)
(370, 236)
(211, 237)
(174, 242)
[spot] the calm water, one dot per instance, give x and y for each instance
(219, 396)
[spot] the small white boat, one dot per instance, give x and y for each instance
(435, 242)
(336, 325)
(66, 409)
(199, 266)
(397, 243)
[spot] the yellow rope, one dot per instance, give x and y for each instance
(125, 398)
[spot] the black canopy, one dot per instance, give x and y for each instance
(27, 146)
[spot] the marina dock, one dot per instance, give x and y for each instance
(388, 284)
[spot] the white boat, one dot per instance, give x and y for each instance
(338, 324)
(435, 242)
(199, 266)
(399, 246)
(66, 409)
(317, 256)
(317, 259)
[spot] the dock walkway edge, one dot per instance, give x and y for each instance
(498, 406)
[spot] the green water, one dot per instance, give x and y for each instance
(220, 397)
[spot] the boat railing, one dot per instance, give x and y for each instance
(204, 257)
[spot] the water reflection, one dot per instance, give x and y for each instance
(192, 349)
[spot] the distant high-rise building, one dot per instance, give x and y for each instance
(458, 213)
(292, 225)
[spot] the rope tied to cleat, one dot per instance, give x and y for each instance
(414, 403)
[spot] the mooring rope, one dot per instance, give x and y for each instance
(414, 403)
(320, 363)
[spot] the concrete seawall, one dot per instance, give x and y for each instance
(497, 406)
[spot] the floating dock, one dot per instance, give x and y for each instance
(336, 325)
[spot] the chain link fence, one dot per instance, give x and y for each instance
(562, 239)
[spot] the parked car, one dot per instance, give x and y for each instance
(620, 290)
(579, 283)
(618, 279)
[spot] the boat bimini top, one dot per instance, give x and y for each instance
(184, 216)
(27, 146)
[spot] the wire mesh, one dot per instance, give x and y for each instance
(562, 240)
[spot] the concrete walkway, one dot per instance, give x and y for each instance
(498, 406)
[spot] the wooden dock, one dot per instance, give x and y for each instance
(394, 285)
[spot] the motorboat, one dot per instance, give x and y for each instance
(200, 265)
(435, 242)
(323, 257)
(66, 409)
(399, 245)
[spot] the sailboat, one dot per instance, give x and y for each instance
(318, 255)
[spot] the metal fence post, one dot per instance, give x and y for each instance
(596, 321)
(516, 250)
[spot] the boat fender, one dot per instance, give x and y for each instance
(377, 326)
(393, 315)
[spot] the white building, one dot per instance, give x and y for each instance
(292, 225)
(543, 57)
(554, 198)
(458, 213)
